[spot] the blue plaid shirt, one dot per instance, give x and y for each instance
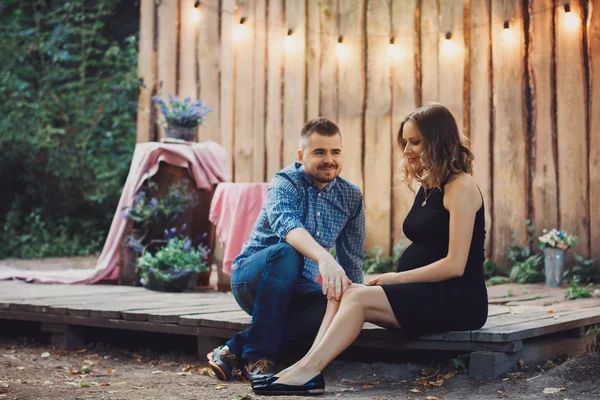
(334, 216)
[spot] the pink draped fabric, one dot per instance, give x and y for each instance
(206, 163)
(234, 210)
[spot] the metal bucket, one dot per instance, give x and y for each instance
(554, 265)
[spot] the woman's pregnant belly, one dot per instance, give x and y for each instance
(417, 255)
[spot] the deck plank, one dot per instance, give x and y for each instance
(531, 311)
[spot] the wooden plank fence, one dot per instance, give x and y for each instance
(522, 82)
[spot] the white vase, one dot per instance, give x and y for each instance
(554, 266)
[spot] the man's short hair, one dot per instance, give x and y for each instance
(321, 126)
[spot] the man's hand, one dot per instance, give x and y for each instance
(386, 279)
(335, 282)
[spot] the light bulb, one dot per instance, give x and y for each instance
(288, 41)
(341, 49)
(241, 30)
(571, 19)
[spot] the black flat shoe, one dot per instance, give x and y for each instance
(314, 387)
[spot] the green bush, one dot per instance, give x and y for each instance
(376, 263)
(67, 127)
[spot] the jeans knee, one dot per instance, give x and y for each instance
(285, 262)
(283, 252)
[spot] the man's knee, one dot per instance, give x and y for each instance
(283, 253)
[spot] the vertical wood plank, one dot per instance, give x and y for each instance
(430, 42)
(294, 92)
(351, 91)
(404, 101)
(480, 103)
(260, 53)
(328, 82)
(313, 57)
(168, 25)
(227, 77)
(146, 72)
(594, 143)
(378, 146)
(544, 191)
(451, 64)
(274, 120)
(571, 127)
(510, 132)
(243, 128)
(188, 39)
(209, 66)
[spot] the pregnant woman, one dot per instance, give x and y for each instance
(439, 285)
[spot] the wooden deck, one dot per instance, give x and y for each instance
(526, 322)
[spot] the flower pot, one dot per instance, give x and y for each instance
(180, 132)
(179, 282)
(129, 273)
(204, 278)
(554, 266)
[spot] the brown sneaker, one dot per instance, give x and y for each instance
(260, 369)
(222, 362)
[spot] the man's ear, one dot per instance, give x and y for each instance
(300, 159)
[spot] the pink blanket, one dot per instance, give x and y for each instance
(206, 163)
(234, 210)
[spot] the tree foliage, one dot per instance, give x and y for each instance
(67, 130)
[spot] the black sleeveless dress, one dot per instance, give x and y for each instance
(456, 304)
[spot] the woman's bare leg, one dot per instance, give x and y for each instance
(364, 304)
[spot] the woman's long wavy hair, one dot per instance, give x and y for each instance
(445, 148)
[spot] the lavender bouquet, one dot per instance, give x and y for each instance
(182, 113)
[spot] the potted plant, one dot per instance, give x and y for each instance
(174, 267)
(151, 215)
(555, 244)
(181, 116)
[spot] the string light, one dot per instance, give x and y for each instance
(340, 48)
(571, 20)
(241, 29)
(288, 42)
(449, 46)
(194, 14)
(507, 34)
(318, 31)
(394, 51)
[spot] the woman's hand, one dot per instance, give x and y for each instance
(386, 279)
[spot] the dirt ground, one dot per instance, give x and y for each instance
(30, 369)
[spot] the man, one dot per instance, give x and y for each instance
(309, 210)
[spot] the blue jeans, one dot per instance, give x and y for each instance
(285, 306)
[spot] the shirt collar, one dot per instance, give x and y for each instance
(310, 182)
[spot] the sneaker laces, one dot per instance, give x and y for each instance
(264, 365)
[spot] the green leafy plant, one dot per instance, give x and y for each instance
(151, 210)
(529, 270)
(460, 362)
(583, 271)
(517, 253)
(376, 263)
(171, 266)
(491, 269)
(578, 292)
(497, 280)
(68, 126)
